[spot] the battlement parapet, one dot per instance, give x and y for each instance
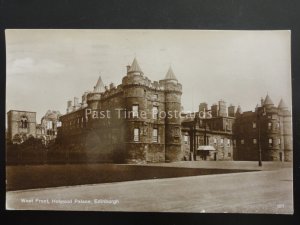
(93, 96)
(162, 85)
(112, 92)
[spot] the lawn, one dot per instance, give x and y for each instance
(42, 176)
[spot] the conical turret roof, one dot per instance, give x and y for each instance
(135, 67)
(239, 110)
(268, 101)
(170, 75)
(99, 86)
(282, 104)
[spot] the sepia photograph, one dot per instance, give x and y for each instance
(156, 120)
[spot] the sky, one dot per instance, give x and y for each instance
(46, 68)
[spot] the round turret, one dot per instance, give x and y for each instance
(173, 92)
(93, 98)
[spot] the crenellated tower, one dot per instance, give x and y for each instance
(135, 86)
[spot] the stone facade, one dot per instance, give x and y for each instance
(136, 129)
(20, 125)
(269, 128)
(47, 130)
(209, 128)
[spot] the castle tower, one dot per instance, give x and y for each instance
(173, 92)
(270, 132)
(285, 121)
(135, 87)
(20, 125)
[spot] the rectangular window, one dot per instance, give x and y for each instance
(270, 142)
(222, 141)
(228, 142)
(49, 124)
(176, 131)
(136, 134)
(135, 111)
(242, 141)
(229, 154)
(269, 126)
(186, 139)
(58, 124)
(278, 125)
(155, 135)
(279, 141)
(254, 124)
(215, 141)
(155, 96)
(254, 141)
(229, 127)
(155, 112)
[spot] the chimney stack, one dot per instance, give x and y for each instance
(214, 110)
(69, 104)
(76, 101)
(111, 85)
(203, 107)
(222, 108)
(231, 111)
(261, 101)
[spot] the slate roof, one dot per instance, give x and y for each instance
(170, 75)
(268, 101)
(135, 67)
(99, 86)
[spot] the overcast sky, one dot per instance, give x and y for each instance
(45, 68)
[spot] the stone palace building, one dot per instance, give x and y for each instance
(134, 129)
(142, 121)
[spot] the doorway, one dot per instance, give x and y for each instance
(280, 156)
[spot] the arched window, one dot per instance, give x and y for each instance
(24, 122)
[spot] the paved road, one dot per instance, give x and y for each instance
(247, 165)
(267, 191)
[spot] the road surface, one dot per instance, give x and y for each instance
(266, 191)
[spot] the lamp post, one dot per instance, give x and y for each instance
(195, 136)
(260, 112)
